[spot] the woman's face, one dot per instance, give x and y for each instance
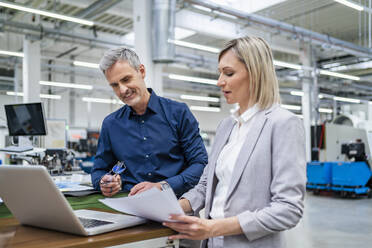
(234, 80)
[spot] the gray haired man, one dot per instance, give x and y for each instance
(157, 138)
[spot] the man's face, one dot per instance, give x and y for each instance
(127, 82)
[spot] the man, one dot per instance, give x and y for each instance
(157, 138)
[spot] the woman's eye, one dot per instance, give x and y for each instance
(229, 74)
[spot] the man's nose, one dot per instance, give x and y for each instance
(123, 89)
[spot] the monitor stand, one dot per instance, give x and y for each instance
(24, 145)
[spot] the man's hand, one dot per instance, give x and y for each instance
(110, 185)
(141, 187)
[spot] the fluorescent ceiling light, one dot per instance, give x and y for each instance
(8, 53)
(193, 79)
(195, 46)
(350, 4)
(301, 93)
(340, 75)
(327, 66)
(287, 65)
(182, 33)
(201, 8)
(12, 93)
(128, 38)
(101, 100)
(343, 99)
(297, 93)
(206, 109)
(200, 98)
(86, 64)
(291, 107)
(47, 13)
(325, 110)
(67, 85)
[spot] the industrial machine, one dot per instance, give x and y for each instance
(351, 177)
(342, 160)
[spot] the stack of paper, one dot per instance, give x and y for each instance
(152, 204)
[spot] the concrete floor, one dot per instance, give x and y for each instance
(333, 222)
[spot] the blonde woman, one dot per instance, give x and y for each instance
(253, 186)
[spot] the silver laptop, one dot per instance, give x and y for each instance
(31, 195)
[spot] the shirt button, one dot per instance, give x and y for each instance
(144, 138)
(147, 156)
(142, 121)
(149, 174)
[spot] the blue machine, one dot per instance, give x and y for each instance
(319, 175)
(351, 177)
(346, 178)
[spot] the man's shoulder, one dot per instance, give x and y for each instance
(115, 115)
(172, 105)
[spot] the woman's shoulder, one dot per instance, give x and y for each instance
(278, 114)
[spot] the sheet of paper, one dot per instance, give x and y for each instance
(72, 186)
(152, 204)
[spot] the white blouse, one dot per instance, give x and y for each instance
(227, 158)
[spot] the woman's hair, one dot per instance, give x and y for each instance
(111, 56)
(256, 54)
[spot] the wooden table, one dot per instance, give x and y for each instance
(12, 234)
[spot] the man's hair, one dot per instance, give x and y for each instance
(122, 53)
(256, 54)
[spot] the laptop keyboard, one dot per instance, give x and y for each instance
(89, 223)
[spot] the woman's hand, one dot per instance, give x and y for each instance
(190, 227)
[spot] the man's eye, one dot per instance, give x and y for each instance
(126, 79)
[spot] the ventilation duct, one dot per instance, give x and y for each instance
(163, 22)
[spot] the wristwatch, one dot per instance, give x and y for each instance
(164, 185)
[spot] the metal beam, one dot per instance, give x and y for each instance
(40, 30)
(96, 8)
(303, 33)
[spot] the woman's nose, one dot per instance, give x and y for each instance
(220, 81)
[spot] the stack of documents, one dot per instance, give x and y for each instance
(152, 204)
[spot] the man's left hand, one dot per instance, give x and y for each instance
(141, 187)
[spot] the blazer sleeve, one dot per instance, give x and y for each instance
(287, 186)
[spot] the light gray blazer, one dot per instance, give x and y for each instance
(268, 182)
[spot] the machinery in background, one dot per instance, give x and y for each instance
(347, 171)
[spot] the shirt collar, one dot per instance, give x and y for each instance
(153, 105)
(246, 116)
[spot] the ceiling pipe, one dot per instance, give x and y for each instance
(40, 30)
(312, 36)
(96, 8)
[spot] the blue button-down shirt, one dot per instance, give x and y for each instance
(162, 144)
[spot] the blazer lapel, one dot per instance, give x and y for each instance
(220, 142)
(247, 149)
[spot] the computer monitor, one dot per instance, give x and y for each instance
(26, 119)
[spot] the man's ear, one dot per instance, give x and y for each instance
(142, 70)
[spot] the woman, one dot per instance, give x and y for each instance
(253, 186)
